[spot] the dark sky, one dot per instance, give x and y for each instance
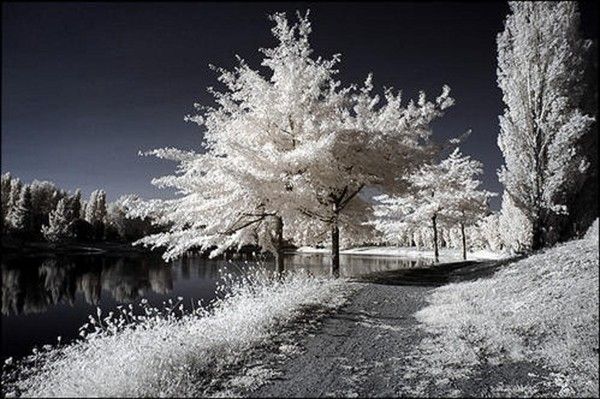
(85, 86)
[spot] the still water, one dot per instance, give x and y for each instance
(47, 297)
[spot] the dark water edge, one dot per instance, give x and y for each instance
(46, 295)
(14, 247)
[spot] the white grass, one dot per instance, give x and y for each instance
(543, 309)
(446, 254)
(169, 355)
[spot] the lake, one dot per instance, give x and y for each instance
(47, 297)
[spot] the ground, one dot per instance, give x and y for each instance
(369, 347)
(357, 351)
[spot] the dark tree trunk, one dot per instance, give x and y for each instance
(279, 245)
(335, 249)
(464, 240)
(436, 253)
(538, 235)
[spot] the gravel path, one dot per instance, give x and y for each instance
(355, 352)
(364, 348)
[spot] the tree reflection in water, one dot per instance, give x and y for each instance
(31, 285)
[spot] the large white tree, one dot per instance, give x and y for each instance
(540, 71)
(292, 147)
(440, 194)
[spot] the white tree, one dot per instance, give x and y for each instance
(59, 223)
(489, 231)
(95, 212)
(469, 203)
(540, 69)
(96, 207)
(19, 218)
(15, 193)
(514, 226)
(5, 185)
(292, 149)
(443, 194)
(367, 144)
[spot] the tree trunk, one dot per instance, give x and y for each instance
(279, 245)
(335, 244)
(464, 240)
(538, 237)
(436, 253)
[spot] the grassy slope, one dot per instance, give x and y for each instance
(192, 355)
(542, 309)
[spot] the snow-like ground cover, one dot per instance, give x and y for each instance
(446, 254)
(542, 309)
(173, 352)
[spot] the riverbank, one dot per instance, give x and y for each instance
(174, 351)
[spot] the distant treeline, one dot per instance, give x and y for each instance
(43, 211)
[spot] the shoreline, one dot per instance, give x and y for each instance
(40, 248)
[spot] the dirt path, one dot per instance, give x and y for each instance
(356, 350)
(364, 349)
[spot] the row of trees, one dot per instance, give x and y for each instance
(289, 153)
(482, 235)
(445, 194)
(41, 210)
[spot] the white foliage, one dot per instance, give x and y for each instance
(448, 191)
(592, 233)
(514, 226)
(19, 215)
(59, 221)
(540, 72)
(292, 143)
(95, 210)
(5, 196)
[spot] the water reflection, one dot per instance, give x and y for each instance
(32, 285)
(351, 265)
